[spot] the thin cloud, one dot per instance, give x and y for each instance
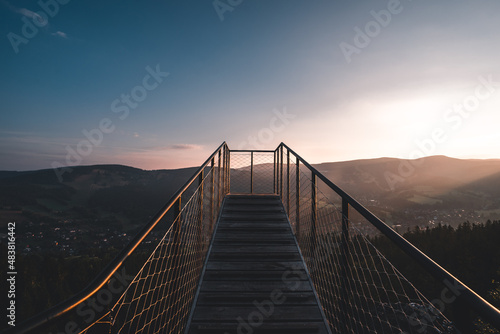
(25, 12)
(28, 13)
(60, 34)
(185, 147)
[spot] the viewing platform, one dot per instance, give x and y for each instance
(261, 242)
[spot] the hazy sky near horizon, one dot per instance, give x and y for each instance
(160, 84)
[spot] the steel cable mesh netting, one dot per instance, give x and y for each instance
(158, 300)
(359, 289)
(252, 173)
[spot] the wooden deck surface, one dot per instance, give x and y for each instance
(255, 281)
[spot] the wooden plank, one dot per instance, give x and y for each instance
(231, 298)
(252, 286)
(241, 240)
(247, 241)
(253, 209)
(254, 224)
(254, 248)
(254, 275)
(278, 217)
(252, 201)
(253, 212)
(268, 310)
(251, 235)
(279, 266)
(253, 196)
(265, 328)
(263, 229)
(255, 256)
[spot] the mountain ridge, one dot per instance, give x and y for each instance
(425, 184)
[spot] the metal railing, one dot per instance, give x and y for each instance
(253, 172)
(158, 298)
(360, 290)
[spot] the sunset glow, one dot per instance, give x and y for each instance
(161, 85)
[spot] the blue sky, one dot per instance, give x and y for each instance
(336, 80)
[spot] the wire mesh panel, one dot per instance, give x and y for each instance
(241, 166)
(159, 298)
(359, 289)
(252, 172)
(263, 173)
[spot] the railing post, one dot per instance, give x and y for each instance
(177, 252)
(228, 170)
(223, 171)
(344, 267)
(178, 220)
(314, 213)
(277, 170)
(201, 189)
(212, 192)
(297, 198)
(274, 172)
(219, 190)
(288, 182)
(281, 172)
(200, 204)
(251, 172)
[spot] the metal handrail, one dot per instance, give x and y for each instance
(475, 301)
(252, 151)
(106, 274)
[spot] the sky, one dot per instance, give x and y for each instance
(160, 84)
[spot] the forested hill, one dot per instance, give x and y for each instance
(126, 194)
(423, 181)
(470, 252)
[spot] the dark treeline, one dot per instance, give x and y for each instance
(471, 253)
(44, 280)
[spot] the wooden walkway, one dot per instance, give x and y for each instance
(255, 281)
